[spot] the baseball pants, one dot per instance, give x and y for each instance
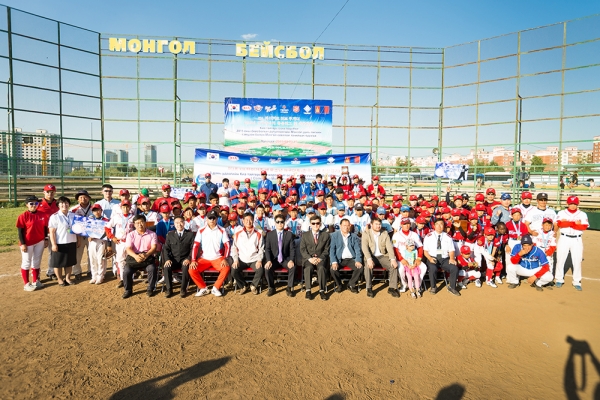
(32, 258)
(575, 246)
(97, 263)
(514, 271)
(203, 265)
(120, 255)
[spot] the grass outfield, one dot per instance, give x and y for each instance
(8, 229)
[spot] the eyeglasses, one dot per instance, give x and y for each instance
(33, 203)
(212, 217)
(279, 222)
(315, 223)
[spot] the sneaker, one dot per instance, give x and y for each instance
(175, 280)
(538, 288)
(498, 280)
(491, 283)
(402, 289)
(243, 290)
(513, 285)
(478, 282)
(99, 280)
(216, 292)
(413, 295)
(253, 289)
(29, 287)
(558, 284)
(419, 294)
(39, 284)
(578, 288)
(92, 281)
(202, 292)
(161, 280)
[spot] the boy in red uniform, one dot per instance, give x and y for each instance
(32, 227)
(469, 268)
(486, 250)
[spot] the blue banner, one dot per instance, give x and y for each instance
(451, 171)
(278, 127)
(237, 166)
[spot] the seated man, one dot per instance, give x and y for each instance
(530, 261)
(140, 246)
(345, 252)
(247, 251)
(379, 252)
(211, 249)
(438, 249)
(176, 254)
(314, 247)
(280, 252)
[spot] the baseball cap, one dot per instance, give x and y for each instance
(242, 195)
(358, 207)
(375, 178)
(404, 208)
(548, 219)
(344, 209)
(166, 186)
(263, 190)
(397, 197)
(479, 207)
(368, 203)
(302, 176)
(505, 196)
(292, 207)
(31, 199)
(526, 239)
(332, 177)
(526, 195)
(465, 250)
(420, 220)
(405, 221)
(277, 207)
(465, 196)
(194, 184)
(251, 198)
(302, 202)
(207, 175)
(212, 214)
(236, 183)
(344, 178)
(278, 175)
(320, 193)
(96, 207)
(455, 212)
(354, 176)
(240, 205)
(188, 196)
(232, 217)
(473, 215)
(573, 200)
(443, 204)
(490, 191)
(447, 210)
(146, 192)
(410, 243)
(203, 195)
(381, 210)
(224, 208)
(425, 214)
(397, 204)
(247, 180)
(176, 205)
(542, 196)
(434, 197)
(263, 172)
(49, 188)
(165, 208)
(201, 206)
(489, 231)
(418, 210)
(479, 197)
(273, 194)
(322, 206)
(413, 197)
(515, 210)
(123, 192)
(310, 210)
(310, 198)
(125, 203)
(458, 197)
(82, 193)
(143, 199)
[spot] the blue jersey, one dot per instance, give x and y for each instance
(233, 196)
(208, 188)
(265, 183)
(534, 259)
(304, 190)
(163, 227)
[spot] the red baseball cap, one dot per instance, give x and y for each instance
(201, 196)
(465, 250)
(49, 188)
(490, 191)
(447, 210)
(125, 202)
(455, 212)
(420, 220)
(251, 198)
(166, 186)
(443, 204)
(480, 207)
(375, 178)
(123, 192)
(396, 204)
(263, 172)
(434, 197)
(515, 210)
(96, 207)
(425, 214)
(479, 197)
(224, 208)
(263, 190)
(143, 199)
(473, 215)
(320, 193)
(332, 177)
(548, 219)
(165, 208)
(273, 194)
(355, 176)
(405, 221)
(526, 195)
(458, 197)
(201, 206)
(284, 186)
(236, 183)
(573, 200)
(232, 217)
(397, 197)
(322, 206)
(247, 180)
(368, 203)
(412, 197)
(490, 231)
(243, 195)
(176, 205)
(207, 175)
(279, 175)
(240, 205)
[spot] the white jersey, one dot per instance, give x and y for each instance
(264, 225)
(396, 225)
(327, 220)
(544, 240)
(399, 240)
(82, 211)
(116, 209)
(198, 222)
(360, 223)
(224, 196)
(578, 216)
(524, 210)
(536, 216)
(294, 226)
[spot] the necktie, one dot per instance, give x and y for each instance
(280, 256)
(316, 238)
(439, 248)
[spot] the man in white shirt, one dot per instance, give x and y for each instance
(572, 222)
(247, 251)
(107, 202)
(211, 249)
(345, 251)
(536, 216)
(438, 249)
(223, 193)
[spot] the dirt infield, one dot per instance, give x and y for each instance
(85, 341)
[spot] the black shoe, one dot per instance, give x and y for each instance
(512, 285)
(127, 294)
(354, 289)
(289, 292)
(149, 293)
(393, 292)
(538, 288)
(182, 293)
(53, 277)
(120, 284)
(308, 295)
(454, 291)
(78, 277)
(168, 294)
(433, 290)
(338, 289)
(370, 293)
(323, 296)
(270, 292)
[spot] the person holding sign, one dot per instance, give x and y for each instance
(96, 247)
(64, 242)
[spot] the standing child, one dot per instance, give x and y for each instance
(32, 227)
(412, 272)
(96, 249)
(469, 268)
(546, 240)
(501, 242)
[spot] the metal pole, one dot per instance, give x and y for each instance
(175, 119)
(475, 158)
(562, 108)
(377, 115)
(410, 71)
(60, 107)
(101, 109)
(441, 119)
(517, 119)
(209, 92)
(13, 171)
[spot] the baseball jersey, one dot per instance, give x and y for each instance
(34, 225)
(224, 194)
(82, 211)
(516, 229)
(360, 223)
(464, 261)
(294, 226)
(536, 216)
(211, 244)
(524, 210)
(567, 222)
(545, 241)
(536, 258)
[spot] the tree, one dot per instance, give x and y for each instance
(402, 165)
(537, 165)
(493, 167)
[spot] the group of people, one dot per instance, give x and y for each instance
(338, 228)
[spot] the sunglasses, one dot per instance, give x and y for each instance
(315, 223)
(279, 222)
(107, 191)
(211, 217)
(33, 203)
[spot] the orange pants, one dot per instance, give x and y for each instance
(203, 265)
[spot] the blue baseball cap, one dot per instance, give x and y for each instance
(302, 202)
(381, 210)
(505, 196)
(309, 199)
(310, 210)
(404, 208)
(276, 207)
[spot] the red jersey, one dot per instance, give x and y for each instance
(34, 225)
(516, 230)
(371, 189)
(500, 242)
(47, 208)
(489, 206)
(422, 232)
(464, 261)
(455, 234)
(473, 233)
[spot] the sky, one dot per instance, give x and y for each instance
(395, 23)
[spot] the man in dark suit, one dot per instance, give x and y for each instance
(345, 252)
(176, 255)
(279, 253)
(314, 247)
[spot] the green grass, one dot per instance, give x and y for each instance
(8, 230)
